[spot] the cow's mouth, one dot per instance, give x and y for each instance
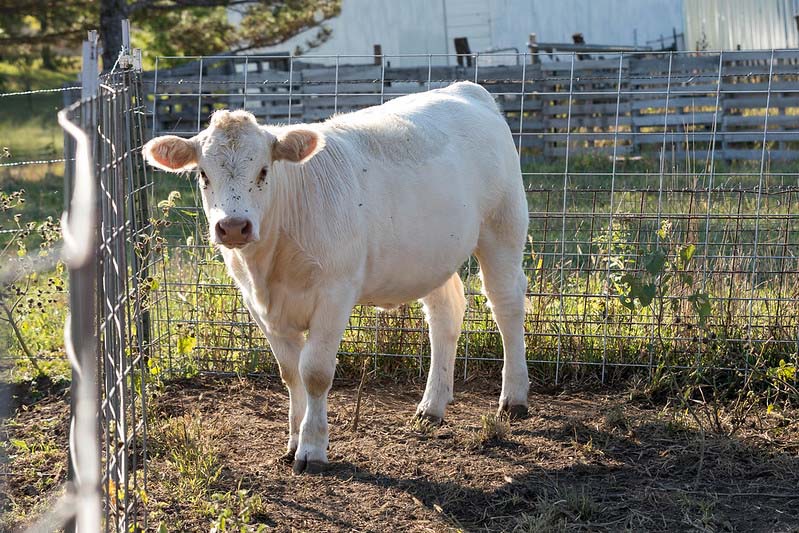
(235, 245)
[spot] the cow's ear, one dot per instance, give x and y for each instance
(297, 146)
(171, 153)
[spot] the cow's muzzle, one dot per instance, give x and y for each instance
(234, 232)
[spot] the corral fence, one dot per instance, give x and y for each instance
(662, 193)
(655, 245)
(621, 105)
(107, 334)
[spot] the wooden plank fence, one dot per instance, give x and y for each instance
(636, 105)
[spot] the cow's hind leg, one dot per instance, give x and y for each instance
(444, 308)
(499, 252)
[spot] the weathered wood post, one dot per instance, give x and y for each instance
(532, 46)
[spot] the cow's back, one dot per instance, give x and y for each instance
(429, 169)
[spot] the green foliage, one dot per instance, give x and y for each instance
(32, 305)
(234, 512)
(190, 31)
(785, 372)
(266, 25)
(38, 30)
(666, 272)
(191, 452)
(51, 32)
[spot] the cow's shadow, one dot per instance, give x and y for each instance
(637, 484)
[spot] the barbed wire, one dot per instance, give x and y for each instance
(41, 91)
(37, 162)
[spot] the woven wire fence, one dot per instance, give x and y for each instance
(123, 296)
(663, 231)
(663, 194)
(107, 336)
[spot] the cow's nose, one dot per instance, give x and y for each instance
(234, 231)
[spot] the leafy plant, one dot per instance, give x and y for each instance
(666, 272)
(235, 511)
(27, 298)
(191, 451)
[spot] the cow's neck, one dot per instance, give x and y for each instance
(274, 267)
(252, 267)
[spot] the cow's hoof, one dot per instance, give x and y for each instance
(301, 466)
(288, 457)
(514, 412)
(425, 418)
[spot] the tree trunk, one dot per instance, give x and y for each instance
(112, 12)
(46, 52)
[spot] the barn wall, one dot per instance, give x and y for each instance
(750, 24)
(600, 21)
(418, 27)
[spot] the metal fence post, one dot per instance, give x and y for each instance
(80, 331)
(90, 71)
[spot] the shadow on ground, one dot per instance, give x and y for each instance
(581, 461)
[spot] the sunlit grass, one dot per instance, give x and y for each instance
(574, 310)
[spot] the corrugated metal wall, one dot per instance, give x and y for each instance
(748, 24)
(422, 27)
(621, 22)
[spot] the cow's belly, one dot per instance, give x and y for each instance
(424, 226)
(422, 253)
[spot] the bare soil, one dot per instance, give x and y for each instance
(34, 422)
(597, 461)
(604, 460)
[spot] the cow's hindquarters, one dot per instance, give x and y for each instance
(500, 252)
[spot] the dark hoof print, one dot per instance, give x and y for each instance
(514, 412)
(302, 466)
(287, 458)
(432, 420)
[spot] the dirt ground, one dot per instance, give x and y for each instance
(583, 461)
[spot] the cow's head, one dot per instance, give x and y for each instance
(235, 159)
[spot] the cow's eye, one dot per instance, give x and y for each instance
(262, 175)
(203, 179)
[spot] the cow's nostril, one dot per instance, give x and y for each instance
(220, 230)
(234, 230)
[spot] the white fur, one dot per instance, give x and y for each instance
(396, 199)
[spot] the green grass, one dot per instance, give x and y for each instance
(202, 324)
(209, 330)
(28, 127)
(18, 77)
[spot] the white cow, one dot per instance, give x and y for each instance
(379, 207)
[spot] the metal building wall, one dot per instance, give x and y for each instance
(429, 26)
(748, 24)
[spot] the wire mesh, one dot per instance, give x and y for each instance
(663, 194)
(109, 319)
(663, 207)
(124, 325)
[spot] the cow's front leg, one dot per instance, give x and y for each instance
(444, 308)
(317, 366)
(287, 348)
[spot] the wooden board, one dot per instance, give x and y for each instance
(539, 100)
